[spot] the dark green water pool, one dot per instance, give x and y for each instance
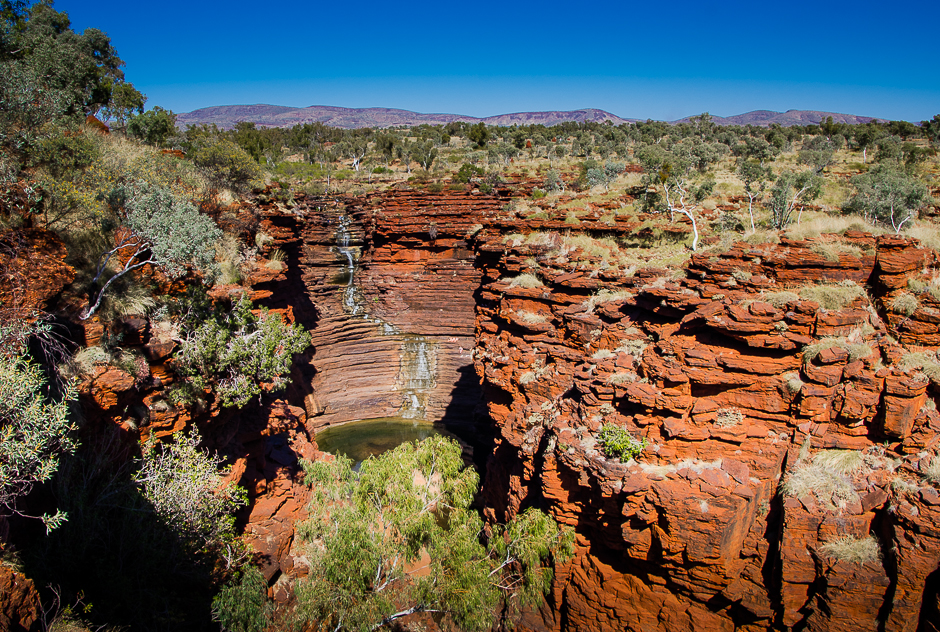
(361, 439)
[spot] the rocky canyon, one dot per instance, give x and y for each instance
(784, 399)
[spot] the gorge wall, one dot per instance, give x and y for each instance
(705, 363)
(414, 311)
(393, 281)
(697, 534)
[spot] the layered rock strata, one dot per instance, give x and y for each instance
(393, 280)
(734, 386)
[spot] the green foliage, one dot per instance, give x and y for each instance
(619, 443)
(155, 126)
(26, 108)
(242, 605)
(478, 135)
(115, 550)
(553, 181)
(225, 163)
(174, 231)
(162, 230)
(888, 196)
(187, 490)
(81, 68)
(818, 153)
(35, 426)
(125, 101)
(63, 154)
(237, 352)
(932, 129)
(791, 192)
(468, 171)
(366, 529)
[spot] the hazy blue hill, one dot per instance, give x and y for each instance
(226, 116)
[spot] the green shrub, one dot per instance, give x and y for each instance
(619, 443)
(468, 171)
(238, 351)
(188, 491)
(35, 429)
(553, 181)
(377, 522)
(162, 230)
(225, 163)
(242, 605)
(155, 126)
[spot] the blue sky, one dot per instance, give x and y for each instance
(636, 60)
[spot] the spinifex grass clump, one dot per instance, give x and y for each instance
(827, 477)
(856, 350)
(526, 281)
(833, 296)
(853, 550)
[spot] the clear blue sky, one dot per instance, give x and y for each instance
(637, 60)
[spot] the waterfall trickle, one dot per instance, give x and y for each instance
(416, 379)
(350, 296)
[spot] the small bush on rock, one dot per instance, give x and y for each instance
(187, 490)
(619, 443)
(238, 352)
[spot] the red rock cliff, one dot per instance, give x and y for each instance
(697, 533)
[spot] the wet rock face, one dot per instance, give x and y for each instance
(725, 380)
(393, 279)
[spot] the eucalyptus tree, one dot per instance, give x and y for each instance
(671, 173)
(932, 129)
(424, 153)
(889, 149)
(866, 136)
(791, 192)
(156, 228)
(755, 177)
(369, 529)
(888, 195)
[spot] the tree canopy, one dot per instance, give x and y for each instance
(399, 537)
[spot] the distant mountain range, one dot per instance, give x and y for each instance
(226, 116)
